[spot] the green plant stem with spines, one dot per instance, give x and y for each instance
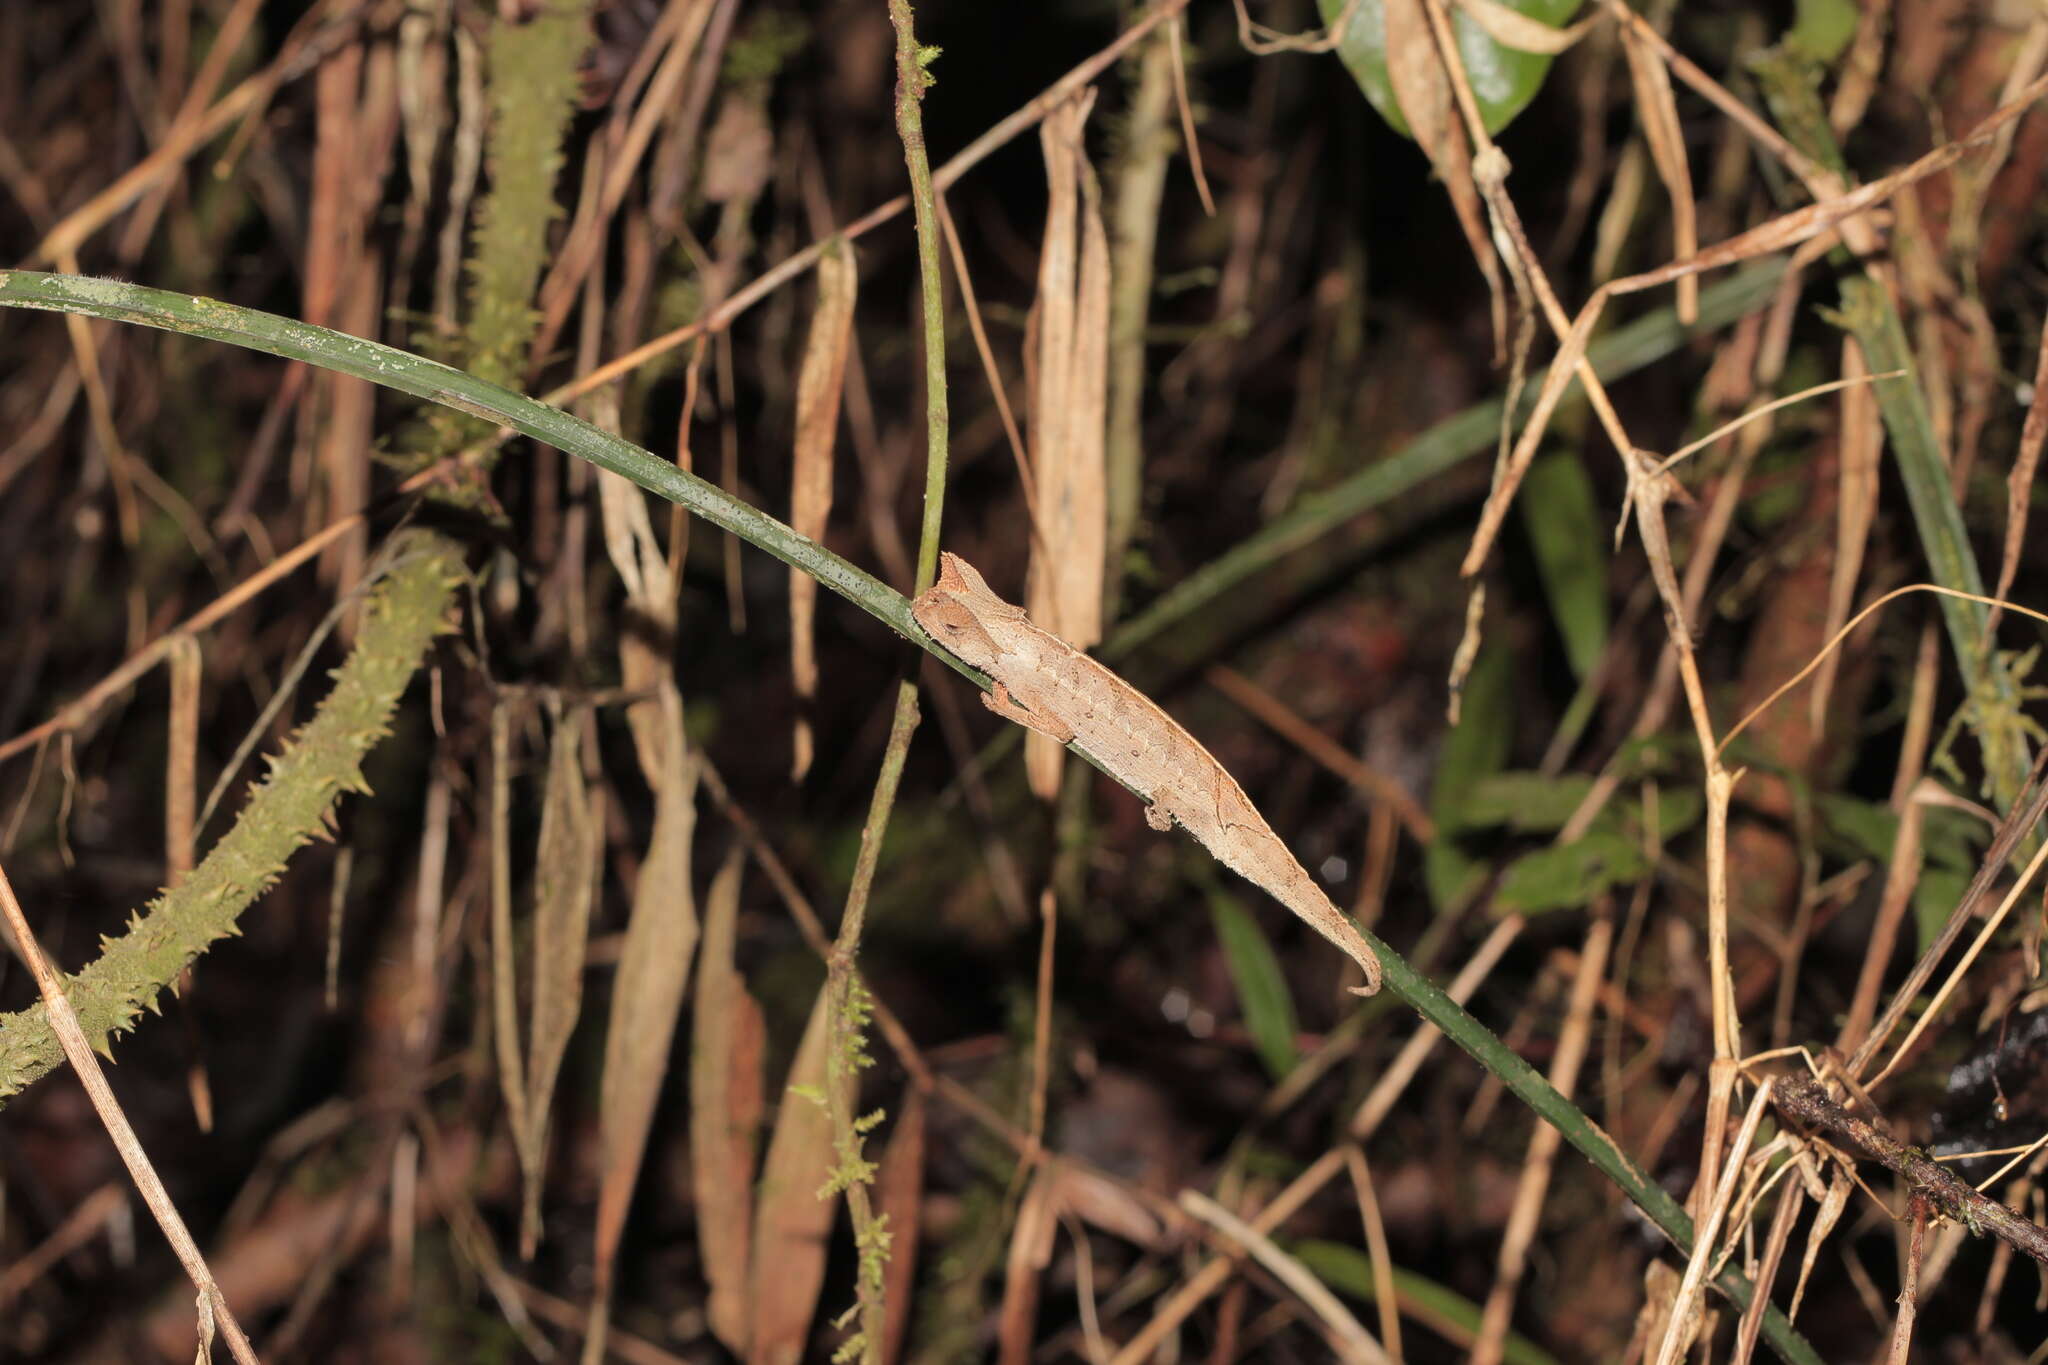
(292, 805)
(441, 383)
(848, 1015)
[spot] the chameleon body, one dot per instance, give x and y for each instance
(1046, 685)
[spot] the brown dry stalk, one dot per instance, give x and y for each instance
(1069, 411)
(1861, 445)
(1353, 1343)
(1709, 1234)
(1807, 1103)
(1030, 1251)
(647, 998)
(213, 1305)
(1657, 110)
(943, 178)
(1424, 90)
(1386, 1298)
(182, 759)
(1385, 1094)
(1544, 1138)
(567, 863)
(2019, 484)
(899, 1199)
(1370, 783)
(819, 385)
(792, 1225)
(1789, 1201)
(726, 1040)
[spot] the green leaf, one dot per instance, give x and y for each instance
(1949, 838)
(1475, 749)
(1571, 876)
(1571, 557)
(1444, 1311)
(1822, 28)
(1533, 803)
(1261, 988)
(1940, 891)
(1503, 80)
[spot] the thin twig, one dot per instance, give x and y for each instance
(1806, 1103)
(64, 1022)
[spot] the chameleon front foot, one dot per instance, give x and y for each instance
(1003, 704)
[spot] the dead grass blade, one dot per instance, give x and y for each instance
(792, 1224)
(1861, 446)
(1069, 411)
(1030, 1251)
(1909, 1292)
(1790, 1199)
(1346, 1333)
(181, 767)
(1541, 1157)
(899, 1196)
(1709, 1231)
(504, 955)
(71, 1035)
(1385, 1297)
(1657, 110)
(725, 1111)
(2019, 484)
(644, 656)
(818, 388)
(565, 882)
(1902, 876)
(647, 996)
(1422, 88)
(1512, 28)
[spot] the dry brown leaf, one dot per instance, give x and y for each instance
(1104, 1204)
(739, 151)
(504, 961)
(1030, 1251)
(2019, 484)
(725, 1110)
(644, 654)
(1513, 29)
(647, 996)
(1422, 89)
(1657, 108)
(1824, 1219)
(565, 880)
(1069, 409)
(899, 1197)
(793, 1225)
(1861, 445)
(818, 389)
(182, 764)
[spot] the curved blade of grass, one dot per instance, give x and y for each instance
(1532, 1089)
(190, 315)
(1261, 986)
(1450, 1314)
(1627, 349)
(1622, 352)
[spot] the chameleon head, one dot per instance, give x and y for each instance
(953, 609)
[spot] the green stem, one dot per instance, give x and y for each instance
(1622, 352)
(1868, 313)
(849, 1013)
(437, 383)
(913, 78)
(1626, 350)
(1532, 1089)
(291, 806)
